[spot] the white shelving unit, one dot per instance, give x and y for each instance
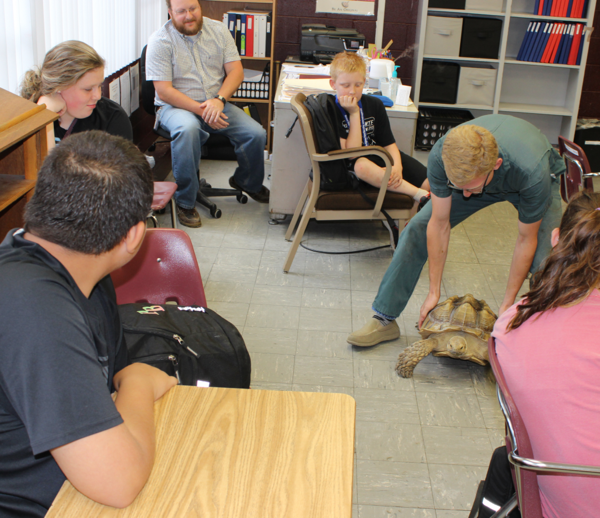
(546, 95)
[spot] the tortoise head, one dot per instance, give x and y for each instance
(467, 348)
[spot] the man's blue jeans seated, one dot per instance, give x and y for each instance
(189, 133)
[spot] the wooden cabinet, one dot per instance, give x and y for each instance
(214, 9)
(547, 95)
(23, 147)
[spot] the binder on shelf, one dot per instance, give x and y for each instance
(572, 59)
(249, 35)
(531, 42)
(238, 31)
(268, 38)
(243, 35)
(525, 43)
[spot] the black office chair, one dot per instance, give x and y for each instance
(217, 141)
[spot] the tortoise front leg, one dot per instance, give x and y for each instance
(412, 355)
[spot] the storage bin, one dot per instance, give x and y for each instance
(476, 85)
(432, 124)
(484, 5)
(442, 37)
(480, 38)
(447, 4)
(439, 82)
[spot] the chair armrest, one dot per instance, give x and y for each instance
(356, 152)
(552, 467)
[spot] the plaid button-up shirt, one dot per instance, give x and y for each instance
(194, 64)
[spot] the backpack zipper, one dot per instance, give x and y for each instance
(171, 357)
(163, 334)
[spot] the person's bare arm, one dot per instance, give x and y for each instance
(111, 467)
(354, 139)
(521, 262)
(213, 108)
(396, 176)
(438, 237)
(169, 94)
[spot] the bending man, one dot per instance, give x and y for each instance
(487, 160)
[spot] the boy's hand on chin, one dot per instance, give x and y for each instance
(349, 103)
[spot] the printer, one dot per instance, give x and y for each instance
(320, 43)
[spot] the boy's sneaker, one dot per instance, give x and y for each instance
(189, 217)
(424, 200)
(373, 333)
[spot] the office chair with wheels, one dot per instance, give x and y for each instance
(520, 453)
(579, 173)
(342, 205)
(164, 270)
(206, 190)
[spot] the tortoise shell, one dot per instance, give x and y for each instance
(465, 314)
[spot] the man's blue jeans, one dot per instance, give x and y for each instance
(189, 133)
(410, 256)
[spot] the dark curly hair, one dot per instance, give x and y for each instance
(572, 270)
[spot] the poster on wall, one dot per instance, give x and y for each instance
(356, 7)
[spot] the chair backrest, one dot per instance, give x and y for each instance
(146, 86)
(165, 269)
(306, 125)
(578, 168)
(526, 481)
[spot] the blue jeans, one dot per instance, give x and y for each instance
(189, 133)
(410, 256)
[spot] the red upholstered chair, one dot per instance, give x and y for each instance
(163, 194)
(520, 452)
(165, 269)
(579, 172)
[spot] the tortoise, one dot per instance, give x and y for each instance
(459, 327)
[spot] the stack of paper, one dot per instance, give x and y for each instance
(290, 87)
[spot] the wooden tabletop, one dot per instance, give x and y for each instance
(233, 453)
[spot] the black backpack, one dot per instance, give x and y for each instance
(334, 175)
(192, 343)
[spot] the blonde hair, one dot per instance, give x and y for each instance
(469, 152)
(63, 66)
(347, 62)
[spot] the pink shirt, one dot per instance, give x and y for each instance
(552, 367)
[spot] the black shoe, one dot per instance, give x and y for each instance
(261, 196)
(423, 201)
(189, 217)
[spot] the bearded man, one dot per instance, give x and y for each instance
(196, 68)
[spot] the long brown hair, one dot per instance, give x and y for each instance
(572, 270)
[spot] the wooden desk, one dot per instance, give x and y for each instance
(233, 453)
(290, 165)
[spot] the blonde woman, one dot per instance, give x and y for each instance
(69, 82)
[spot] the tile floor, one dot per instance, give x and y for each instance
(422, 444)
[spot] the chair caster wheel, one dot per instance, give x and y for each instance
(216, 213)
(241, 198)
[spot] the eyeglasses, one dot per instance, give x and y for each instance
(181, 12)
(475, 191)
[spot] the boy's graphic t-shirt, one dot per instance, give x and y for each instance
(376, 122)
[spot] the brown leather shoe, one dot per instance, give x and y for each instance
(261, 196)
(189, 217)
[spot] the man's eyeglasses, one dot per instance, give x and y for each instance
(181, 12)
(478, 191)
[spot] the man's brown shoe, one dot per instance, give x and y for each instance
(261, 196)
(189, 217)
(373, 333)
